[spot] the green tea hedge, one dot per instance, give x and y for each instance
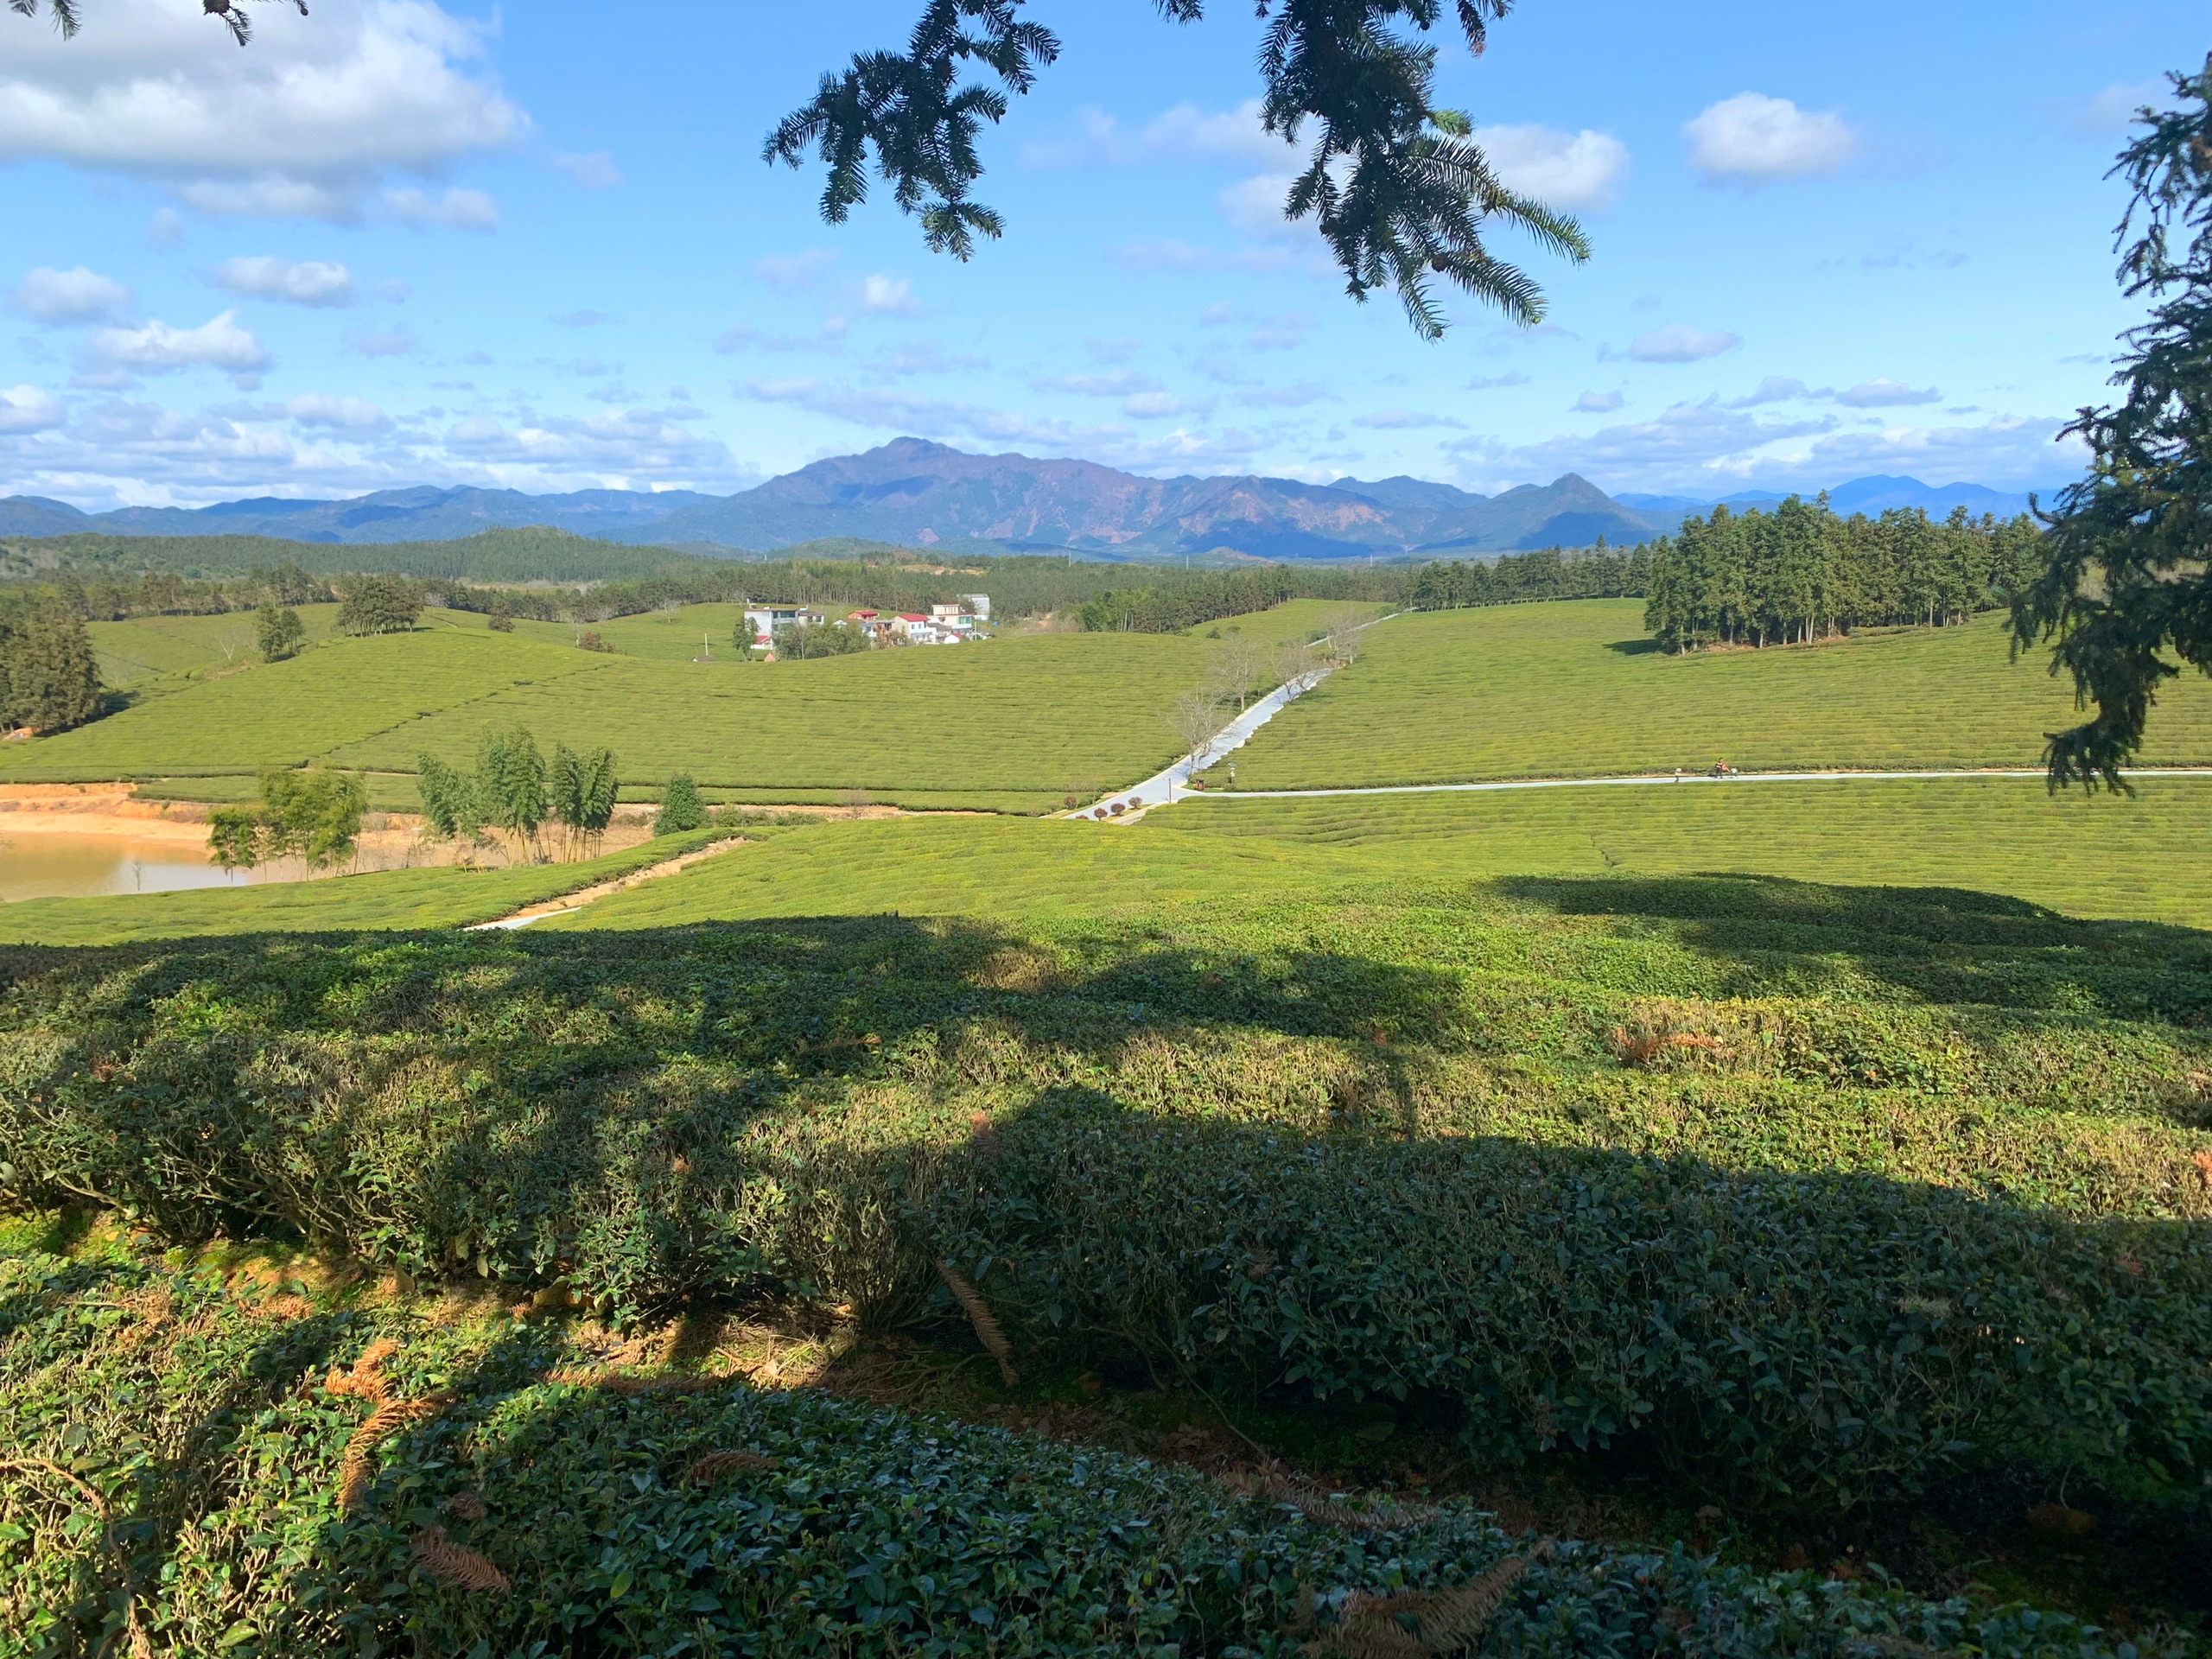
(172, 1457)
(1404, 1163)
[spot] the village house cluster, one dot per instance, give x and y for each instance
(941, 625)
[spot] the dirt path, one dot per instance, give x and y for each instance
(570, 902)
(1665, 777)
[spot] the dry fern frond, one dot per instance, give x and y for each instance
(455, 1564)
(466, 1506)
(367, 1381)
(287, 1306)
(629, 1386)
(979, 1316)
(2203, 1162)
(713, 1466)
(1271, 1488)
(387, 1419)
(1419, 1623)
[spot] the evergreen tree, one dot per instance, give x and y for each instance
(377, 605)
(2129, 575)
(277, 630)
(680, 807)
(49, 678)
(503, 614)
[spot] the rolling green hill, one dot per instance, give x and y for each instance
(1575, 689)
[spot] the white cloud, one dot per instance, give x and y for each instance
(311, 121)
(156, 348)
(1176, 134)
(2114, 108)
(1404, 420)
(888, 296)
(1562, 169)
(1487, 382)
(1882, 392)
(455, 210)
(344, 413)
(1176, 255)
(1777, 389)
(381, 342)
(27, 409)
(595, 171)
(62, 297)
(795, 273)
(1124, 383)
(306, 282)
(1598, 402)
(1293, 396)
(1752, 140)
(1164, 405)
(1680, 343)
(584, 318)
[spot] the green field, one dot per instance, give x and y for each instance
(1007, 724)
(1575, 689)
(150, 647)
(447, 897)
(2118, 858)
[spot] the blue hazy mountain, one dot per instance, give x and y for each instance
(919, 493)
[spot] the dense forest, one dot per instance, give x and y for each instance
(48, 678)
(1802, 573)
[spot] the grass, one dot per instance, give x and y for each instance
(2108, 857)
(1293, 622)
(1575, 689)
(447, 897)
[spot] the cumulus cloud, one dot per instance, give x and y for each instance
(1882, 392)
(1752, 140)
(27, 409)
(1680, 343)
(1164, 405)
(1563, 169)
(156, 348)
(1598, 402)
(595, 171)
(64, 297)
(311, 121)
(303, 282)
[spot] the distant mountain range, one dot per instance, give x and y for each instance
(921, 494)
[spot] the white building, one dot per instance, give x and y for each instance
(766, 617)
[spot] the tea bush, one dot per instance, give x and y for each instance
(1863, 1235)
(172, 1457)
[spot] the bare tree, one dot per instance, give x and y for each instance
(1344, 623)
(1295, 666)
(1238, 669)
(1198, 720)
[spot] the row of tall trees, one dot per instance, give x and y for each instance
(514, 792)
(1551, 573)
(313, 814)
(49, 679)
(1802, 573)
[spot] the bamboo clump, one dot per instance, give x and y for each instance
(987, 1331)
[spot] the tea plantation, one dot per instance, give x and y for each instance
(1577, 688)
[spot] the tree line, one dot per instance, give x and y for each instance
(1177, 601)
(1519, 578)
(49, 679)
(1802, 572)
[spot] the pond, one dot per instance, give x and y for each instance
(47, 865)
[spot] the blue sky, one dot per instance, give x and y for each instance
(395, 244)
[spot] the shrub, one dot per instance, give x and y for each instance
(174, 1456)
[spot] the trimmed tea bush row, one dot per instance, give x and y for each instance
(1274, 1168)
(184, 1471)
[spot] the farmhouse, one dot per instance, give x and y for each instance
(765, 616)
